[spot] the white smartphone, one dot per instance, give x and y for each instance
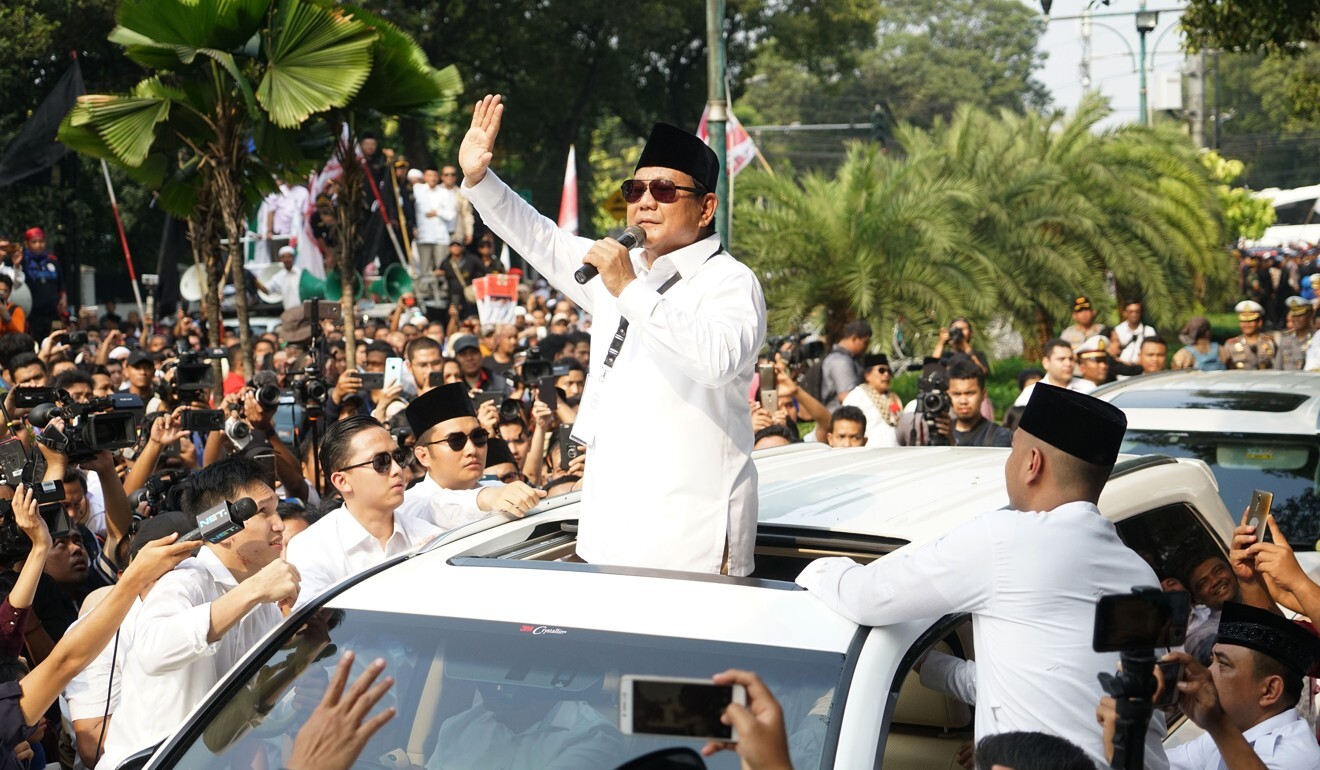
(393, 371)
(677, 707)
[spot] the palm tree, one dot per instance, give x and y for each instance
(885, 240)
(239, 93)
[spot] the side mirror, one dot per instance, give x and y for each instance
(676, 758)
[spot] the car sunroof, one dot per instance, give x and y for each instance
(1242, 401)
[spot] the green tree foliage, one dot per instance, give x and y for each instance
(1251, 25)
(1269, 107)
(1245, 216)
(992, 215)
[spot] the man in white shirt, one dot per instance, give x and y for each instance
(365, 465)
(286, 208)
(200, 619)
(1028, 574)
(451, 445)
(437, 210)
(286, 281)
(676, 328)
(1246, 701)
(1125, 344)
(1058, 361)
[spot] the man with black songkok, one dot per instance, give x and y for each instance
(1246, 700)
(451, 445)
(1029, 574)
(677, 325)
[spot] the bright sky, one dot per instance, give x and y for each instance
(1113, 68)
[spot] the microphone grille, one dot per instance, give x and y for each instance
(243, 509)
(637, 234)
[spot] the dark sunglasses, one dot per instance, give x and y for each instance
(381, 461)
(457, 441)
(882, 369)
(663, 190)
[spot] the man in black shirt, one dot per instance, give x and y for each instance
(966, 392)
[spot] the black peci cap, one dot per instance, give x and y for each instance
(1080, 425)
(1242, 625)
(437, 405)
(497, 451)
(672, 147)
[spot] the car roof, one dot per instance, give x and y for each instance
(1187, 400)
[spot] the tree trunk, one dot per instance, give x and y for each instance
(1033, 347)
(230, 202)
(348, 204)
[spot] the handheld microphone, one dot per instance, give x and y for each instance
(633, 237)
(223, 521)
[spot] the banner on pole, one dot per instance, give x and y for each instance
(739, 147)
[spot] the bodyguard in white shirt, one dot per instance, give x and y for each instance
(664, 412)
(199, 619)
(1029, 575)
(1247, 701)
(363, 462)
(451, 445)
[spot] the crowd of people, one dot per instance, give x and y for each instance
(136, 430)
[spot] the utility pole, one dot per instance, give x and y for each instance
(1146, 22)
(718, 116)
(1196, 97)
(1086, 49)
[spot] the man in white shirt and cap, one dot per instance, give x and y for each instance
(199, 619)
(366, 466)
(676, 328)
(1030, 576)
(451, 445)
(1247, 701)
(286, 282)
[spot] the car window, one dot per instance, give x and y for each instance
(928, 727)
(1167, 536)
(478, 694)
(1284, 465)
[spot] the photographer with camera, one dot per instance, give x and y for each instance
(199, 619)
(953, 403)
(249, 429)
(955, 343)
(1246, 700)
(1028, 574)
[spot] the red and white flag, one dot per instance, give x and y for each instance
(739, 148)
(568, 203)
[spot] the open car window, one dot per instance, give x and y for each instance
(480, 694)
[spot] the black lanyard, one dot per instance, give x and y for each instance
(616, 344)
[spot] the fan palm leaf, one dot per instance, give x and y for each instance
(317, 58)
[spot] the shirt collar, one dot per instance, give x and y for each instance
(1262, 730)
(212, 564)
(685, 260)
(352, 533)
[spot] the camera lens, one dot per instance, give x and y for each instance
(510, 410)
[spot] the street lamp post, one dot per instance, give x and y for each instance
(1146, 23)
(718, 115)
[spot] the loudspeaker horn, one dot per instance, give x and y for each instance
(394, 284)
(192, 284)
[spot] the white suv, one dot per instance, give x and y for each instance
(486, 625)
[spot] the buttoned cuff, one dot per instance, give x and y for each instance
(637, 302)
(823, 575)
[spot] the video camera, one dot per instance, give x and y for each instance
(933, 400)
(793, 349)
(105, 423)
(192, 375)
(163, 490)
(1134, 625)
(535, 366)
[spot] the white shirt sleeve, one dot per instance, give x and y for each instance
(313, 573)
(175, 621)
(952, 676)
(952, 574)
(712, 344)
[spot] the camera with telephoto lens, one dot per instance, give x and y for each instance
(795, 350)
(266, 389)
(105, 423)
(163, 490)
(535, 366)
(933, 400)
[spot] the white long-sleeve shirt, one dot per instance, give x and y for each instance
(1031, 581)
(671, 478)
(171, 666)
(338, 546)
(1283, 742)
(443, 508)
(438, 228)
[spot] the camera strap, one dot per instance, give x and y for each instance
(620, 334)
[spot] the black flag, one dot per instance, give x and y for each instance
(173, 250)
(34, 149)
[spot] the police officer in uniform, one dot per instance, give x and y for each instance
(1294, 341)
(1251, 349)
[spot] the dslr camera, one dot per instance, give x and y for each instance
(105, 423)
(933, 400)
(192, 375)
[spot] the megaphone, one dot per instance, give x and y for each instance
(393, 284)
(192, 284)
(310, 287)
(334, 288)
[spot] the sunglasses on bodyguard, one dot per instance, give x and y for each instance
(381, 461)
(456, 441)
(663, 190)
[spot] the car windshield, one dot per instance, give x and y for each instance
(480, 694)
(1284, 465)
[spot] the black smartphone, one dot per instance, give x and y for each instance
(202, 420)
(480, 397)
(569, 450)
(435, 379)
(1141, 621)
(372, 380)
(26, 398)
(12, 459)
(1258, 513)
(1170, 672)
(546, 393)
